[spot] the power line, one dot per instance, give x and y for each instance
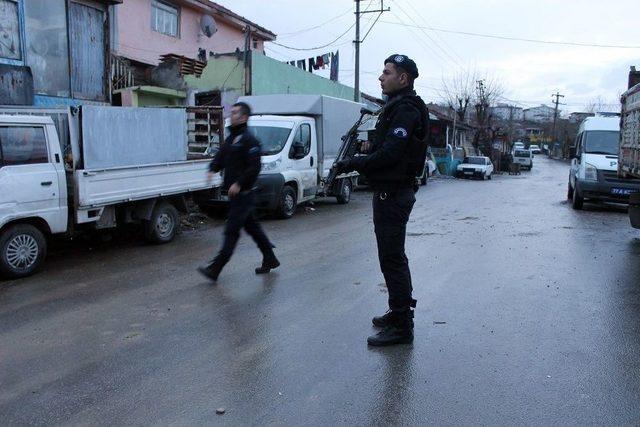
(420, 40)
(494, 36)
(316, 47)
(446, 54)
(317, 26)
(429, 26)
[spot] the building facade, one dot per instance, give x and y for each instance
(507, 112)
(54, 52)
(540, 114)
(144, 30)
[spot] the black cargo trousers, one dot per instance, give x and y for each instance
(391, 212)
(241, 215)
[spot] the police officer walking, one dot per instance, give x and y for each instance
(395, 157)
(239, 158)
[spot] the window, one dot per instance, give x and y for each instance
(303, 136)
(21, 145)
(10, 46)
(47, 46)
(164, 18)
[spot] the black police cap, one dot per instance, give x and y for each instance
(405, 62)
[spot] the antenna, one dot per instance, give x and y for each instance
(208, 25)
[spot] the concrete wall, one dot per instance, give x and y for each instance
(136, 40)
(270, 76)
(223, 73)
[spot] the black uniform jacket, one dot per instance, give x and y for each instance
(239, 156)
(387, 163)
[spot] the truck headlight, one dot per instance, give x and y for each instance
(271, 166)
(590, 172)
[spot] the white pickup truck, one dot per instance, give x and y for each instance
(97, 177)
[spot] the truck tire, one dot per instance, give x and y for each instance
(287, 203)
(577, 201)
(24, 248)
(163, 224)
(346, 188)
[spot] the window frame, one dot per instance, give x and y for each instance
(21, 36)
(163, 6)
(47, 155)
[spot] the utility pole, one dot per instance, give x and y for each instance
(555, 116)
(357, 42)
(555, 112)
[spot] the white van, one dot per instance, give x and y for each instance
(523, 157)
(594, 166)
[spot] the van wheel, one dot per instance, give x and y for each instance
(577, 200)
(24, 248)
(345, 192)
(288, 203)
(163, 224)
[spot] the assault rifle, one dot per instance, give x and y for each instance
(350, 147)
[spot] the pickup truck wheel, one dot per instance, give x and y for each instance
(577, 201)
(288, 203)
(346, 188)
(163, 224)
(24, 248)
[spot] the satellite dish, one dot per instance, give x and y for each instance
(208, 25)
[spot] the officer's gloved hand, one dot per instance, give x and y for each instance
(344, 166)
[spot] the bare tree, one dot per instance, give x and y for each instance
(458, 92)
(599, 104)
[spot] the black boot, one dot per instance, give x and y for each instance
(269, 262)
(382, 321)
(399, 330)
(212, 271)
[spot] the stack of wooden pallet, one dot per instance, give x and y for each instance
(187, 66)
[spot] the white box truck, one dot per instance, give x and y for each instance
(300, 136)
(113, 165)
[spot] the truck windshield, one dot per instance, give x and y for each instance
(602, 142)
(271, 138)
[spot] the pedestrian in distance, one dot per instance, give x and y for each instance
(394, 159)
(239, 160)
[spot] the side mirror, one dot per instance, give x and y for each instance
(297, 150)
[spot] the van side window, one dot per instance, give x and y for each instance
(22, 145)
(303, 136)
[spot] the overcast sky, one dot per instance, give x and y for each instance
(529, 72)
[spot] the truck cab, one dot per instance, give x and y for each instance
(289, 173)
(594, 164)
(33, 191)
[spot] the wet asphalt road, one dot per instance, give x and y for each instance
(528, 313)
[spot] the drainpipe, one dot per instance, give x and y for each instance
(247, 60)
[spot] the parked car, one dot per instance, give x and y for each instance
(594, 165)
(535, 149)
(475, 167)
(518, 145)
(523, 157)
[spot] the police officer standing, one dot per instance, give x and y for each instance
(391, 167)
(239, 158)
